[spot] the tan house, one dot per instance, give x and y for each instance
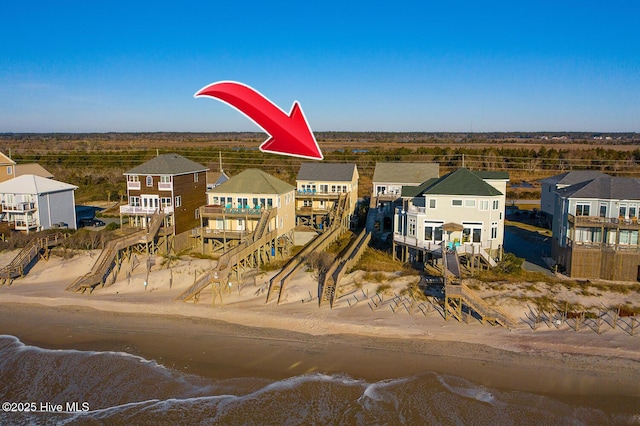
(318, 187)
(171, 184)
(7, 168)
(235, 207)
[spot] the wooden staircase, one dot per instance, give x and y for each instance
(322, 241)
(457, 295)
(329, 283)
(106, 260)
(220, 274)
(18, 266)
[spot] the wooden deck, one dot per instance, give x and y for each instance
(243, 254)
(19, 265)
(107, 258)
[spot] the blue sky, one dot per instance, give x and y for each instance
(99, 66)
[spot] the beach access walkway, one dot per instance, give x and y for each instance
(247, 254)
(461, 302)
(330, 281)
(339, 223)
(36, 249)
(110, 255)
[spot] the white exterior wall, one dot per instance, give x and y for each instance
(470, 214)
(56, 207)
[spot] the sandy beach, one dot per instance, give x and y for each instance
(245, 336)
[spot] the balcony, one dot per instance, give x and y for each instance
(133, 185)
(308, 210)
(165, 186)
(606, 222)
(229, 211)
(19, 207)
(25, 225)
(219, 233)
(138, 210)
(307, 194)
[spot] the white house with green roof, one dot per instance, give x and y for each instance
(462, 209)
(234, 208)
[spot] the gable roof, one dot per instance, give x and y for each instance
(604, 188)
(573, 177)
(337, 172)
(32, 169)
(409, 173)
(253, 181)
(216, 177)
(167, 164)
(5, 160)
(32, 184)
(459, 182)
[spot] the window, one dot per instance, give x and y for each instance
(166, 201)
(582, 209)
(178, 200)
(456, 203)
(165, 179)
(432, 203)
(133, 178)
(632, 211)
(149, 180)
(243, 203)
(484, 205)
(494, 230)
(197, 214)
(495, 205)
(307, 203)
(433, 232)
(469, 203)
(195, 177)
(603, 210)
(412, 227)
(9, 170)
(134, 201)
(623, 210)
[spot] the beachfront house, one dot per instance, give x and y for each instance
(318, 187)
(33, 203)
(462, 210)
(7, 168)
(388, 180)
(173, 185)
(234, 209)
(595, 229)
(550, 186)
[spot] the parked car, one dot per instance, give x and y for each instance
(90, 222)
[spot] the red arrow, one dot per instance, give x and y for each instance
(289, 134)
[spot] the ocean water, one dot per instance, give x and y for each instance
(69, 387)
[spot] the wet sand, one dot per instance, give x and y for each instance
(248, 338)
(217, 349)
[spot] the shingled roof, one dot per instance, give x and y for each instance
(604, 188)
(573, 177)
(167, 164)
(459, 182)
(408, 173)
(32, 184)
(253, 181)
(337, 172)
